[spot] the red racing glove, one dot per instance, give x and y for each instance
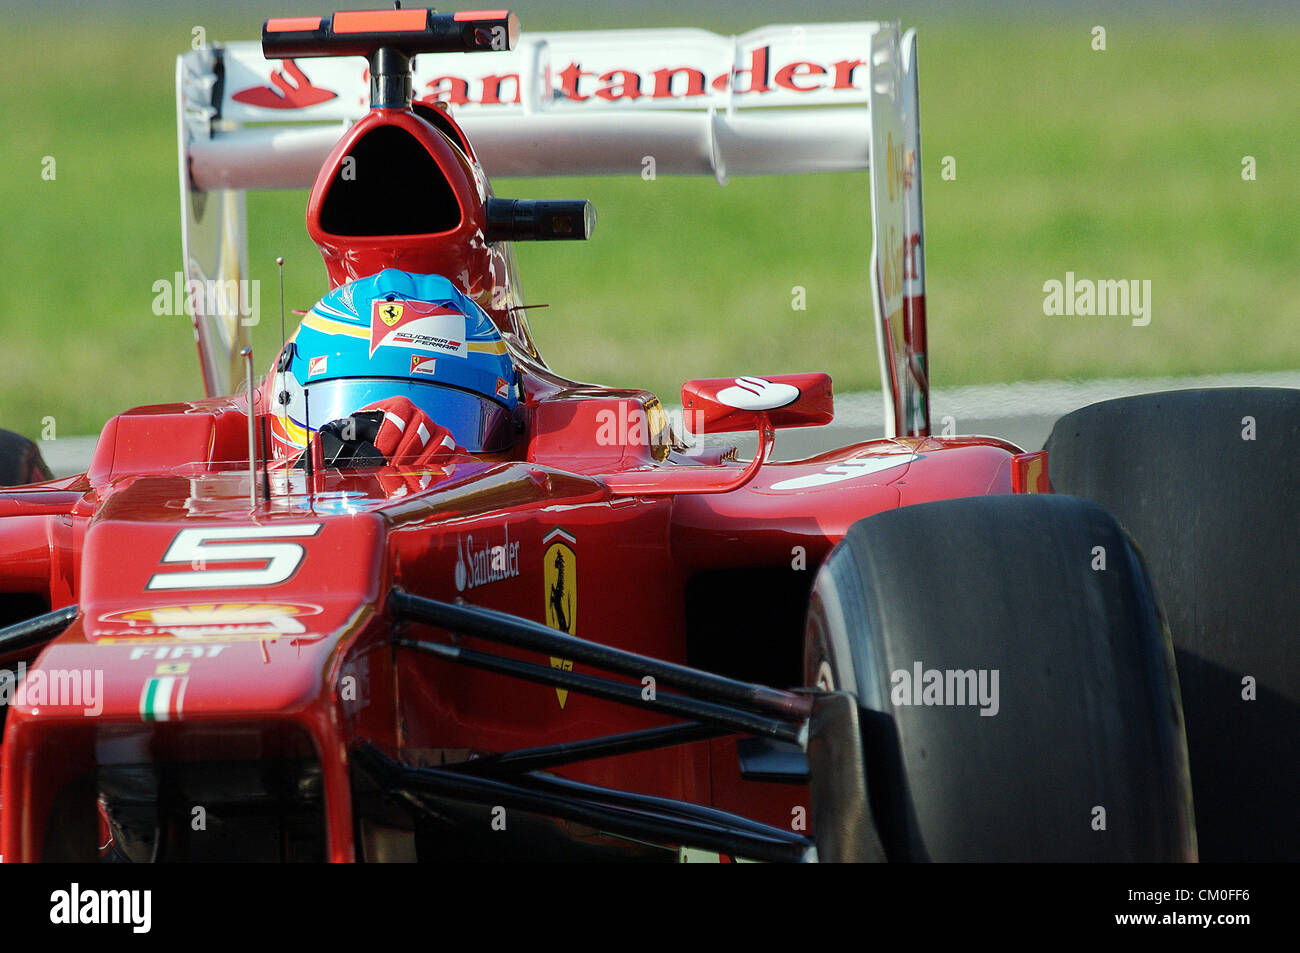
(408, 437)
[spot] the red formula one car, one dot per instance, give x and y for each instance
(411, 594)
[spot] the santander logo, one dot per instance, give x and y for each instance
(764, 73)
(282, 94)
(756, 393)
(478, 565)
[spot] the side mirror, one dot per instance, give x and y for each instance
(725, 405)
(730, 404)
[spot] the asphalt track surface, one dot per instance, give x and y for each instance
(1022, 413)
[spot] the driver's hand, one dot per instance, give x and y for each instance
(392, 431)
(406, 436)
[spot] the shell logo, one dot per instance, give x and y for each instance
(214, 619)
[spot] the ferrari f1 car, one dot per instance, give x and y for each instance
(412, 594)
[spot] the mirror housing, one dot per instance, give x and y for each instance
(732, 404)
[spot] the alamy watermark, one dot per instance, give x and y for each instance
(630, 425)
(55, 687)
(1084, 296)
(945, 687)
(76, 905)
(232, 297)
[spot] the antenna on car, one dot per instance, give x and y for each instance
(282, 364)
(266, 459)
(279, 263)
(247, 354)
(306, 453)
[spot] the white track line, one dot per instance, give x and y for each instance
(1045, 398)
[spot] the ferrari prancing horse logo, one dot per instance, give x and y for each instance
(560, 575)
(390, 314)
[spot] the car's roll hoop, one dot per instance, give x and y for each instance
(388, 39)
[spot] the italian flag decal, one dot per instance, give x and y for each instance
(163, 698)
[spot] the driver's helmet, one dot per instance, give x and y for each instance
(396, 334)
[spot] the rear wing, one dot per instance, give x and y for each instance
(778, 100)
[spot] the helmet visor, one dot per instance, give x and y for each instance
(479, 424)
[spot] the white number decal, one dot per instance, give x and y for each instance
(234, 544)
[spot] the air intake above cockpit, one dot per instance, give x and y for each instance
(388, 184)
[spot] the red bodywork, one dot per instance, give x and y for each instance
(250, 665)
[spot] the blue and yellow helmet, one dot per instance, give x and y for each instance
(396, 334)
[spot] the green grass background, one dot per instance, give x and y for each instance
(1117, 164)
